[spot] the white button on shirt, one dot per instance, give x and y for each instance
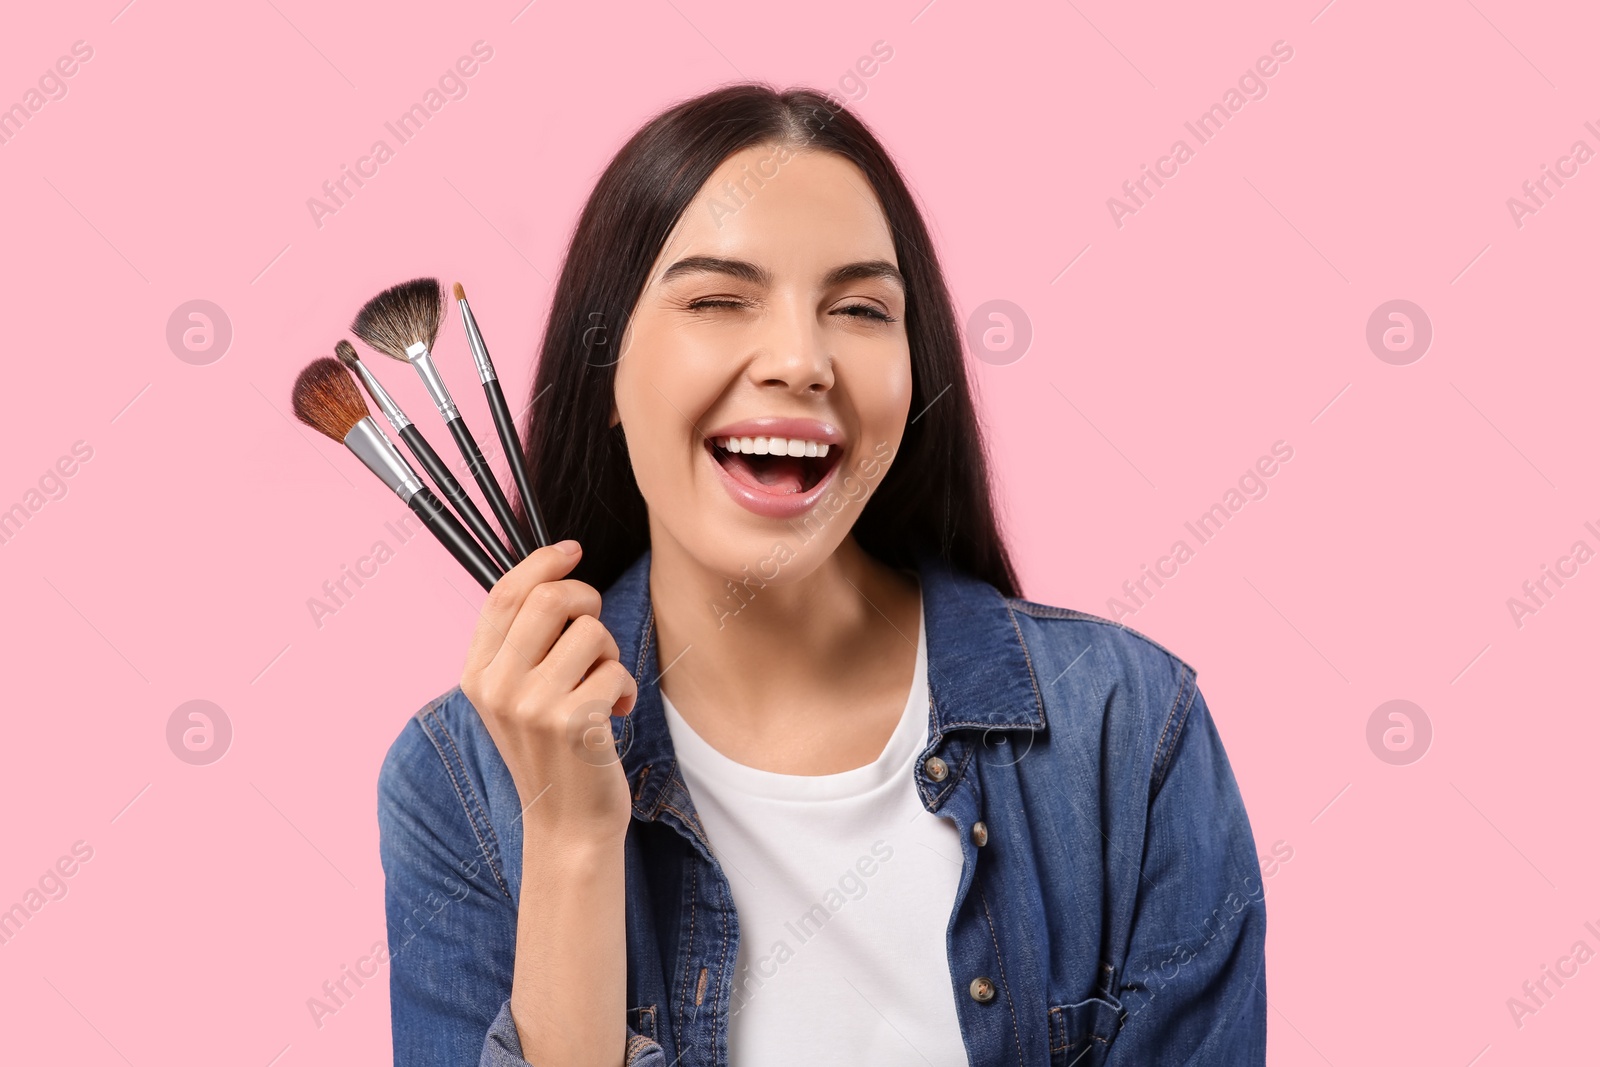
(844, 886)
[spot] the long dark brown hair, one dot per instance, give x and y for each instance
(935, 497)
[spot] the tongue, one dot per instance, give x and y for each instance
(774, 474)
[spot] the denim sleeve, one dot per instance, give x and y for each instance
(1194, 987)
(452, 921)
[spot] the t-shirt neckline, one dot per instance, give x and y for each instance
(700, 759)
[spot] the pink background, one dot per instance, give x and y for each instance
(1230, 312)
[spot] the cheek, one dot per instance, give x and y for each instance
(880, 390)
(642, 411)
(662, 387)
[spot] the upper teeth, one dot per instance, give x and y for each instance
(773, 446)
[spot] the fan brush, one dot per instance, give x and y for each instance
(402, 322)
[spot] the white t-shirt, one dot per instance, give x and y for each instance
(844, 884)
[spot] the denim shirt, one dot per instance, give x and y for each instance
(1110, 909)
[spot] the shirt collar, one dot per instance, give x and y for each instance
(979, 674)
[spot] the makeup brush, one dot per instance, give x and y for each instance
(504, 425)
(328, 401)
(425, 455)
(403, 322)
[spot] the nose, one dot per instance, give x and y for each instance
(792, 352)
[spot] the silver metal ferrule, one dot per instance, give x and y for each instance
(381, 397)
(383, 459)
(480, 354)
(420, 359)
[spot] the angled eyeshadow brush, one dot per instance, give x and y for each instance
(328, 401)
(402, 322)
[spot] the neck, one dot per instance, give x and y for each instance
(775, 644)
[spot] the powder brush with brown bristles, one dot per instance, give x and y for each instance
(403, 322)
(326, 400)
(441, 475)
(504, 424)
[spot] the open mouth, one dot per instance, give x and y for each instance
(780, 466)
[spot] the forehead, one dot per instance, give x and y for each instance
(808, 214)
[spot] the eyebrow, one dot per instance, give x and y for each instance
(755, 275)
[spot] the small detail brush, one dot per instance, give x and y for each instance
(402, 322)
(504, 425)
(425, 455)
(328, 401)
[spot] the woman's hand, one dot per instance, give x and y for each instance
(545, 691)
(546, 696)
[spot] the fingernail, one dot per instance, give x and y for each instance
(569, 546)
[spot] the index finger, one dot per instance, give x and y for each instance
(506, 598)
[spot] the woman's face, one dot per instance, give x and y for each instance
(771, 331)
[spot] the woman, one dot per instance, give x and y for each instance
(812, 784)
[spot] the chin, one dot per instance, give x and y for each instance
(751, 559)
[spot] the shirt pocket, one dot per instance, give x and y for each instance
(1081, 1033)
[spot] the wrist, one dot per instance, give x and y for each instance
(567, 847)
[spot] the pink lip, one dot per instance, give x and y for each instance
(776, 505)
(776, 426)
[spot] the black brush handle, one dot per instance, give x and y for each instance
(507, 429)
(456, 495)
(491, 488)
(443, 525)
